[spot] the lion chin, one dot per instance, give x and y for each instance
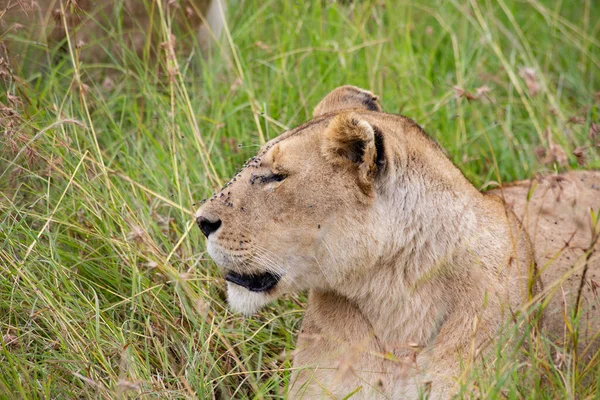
(244, 301)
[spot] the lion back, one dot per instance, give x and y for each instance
(555, 211)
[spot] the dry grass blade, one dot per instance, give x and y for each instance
(106, 289)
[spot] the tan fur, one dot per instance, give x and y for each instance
(347, 97)
(556, 211)
(92, 28)
(411, 270)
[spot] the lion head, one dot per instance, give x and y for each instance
(312, 209)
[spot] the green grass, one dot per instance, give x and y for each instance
(105, 287)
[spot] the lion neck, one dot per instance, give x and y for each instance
(423, 264)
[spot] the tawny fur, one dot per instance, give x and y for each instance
(412, 271)
(556, 211)
(345, 98)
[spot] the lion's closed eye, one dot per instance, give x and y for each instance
(273, 178)
(263, 179)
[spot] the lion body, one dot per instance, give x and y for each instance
(446, 284)
(556, 211)
(413, 273)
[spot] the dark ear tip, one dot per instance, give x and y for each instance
(347, 97)
(371, 102)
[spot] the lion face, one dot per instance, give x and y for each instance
(302, 213)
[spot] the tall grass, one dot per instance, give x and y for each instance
(105, 287)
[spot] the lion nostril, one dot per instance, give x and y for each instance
(207, 226)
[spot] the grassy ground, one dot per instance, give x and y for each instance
(105, 288)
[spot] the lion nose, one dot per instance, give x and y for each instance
(208, 226)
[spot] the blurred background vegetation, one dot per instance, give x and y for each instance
(106, 150)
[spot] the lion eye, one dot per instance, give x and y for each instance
(273, 178)
(267, 178)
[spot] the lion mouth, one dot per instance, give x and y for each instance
(254, 283)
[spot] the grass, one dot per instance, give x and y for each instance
(105, 288)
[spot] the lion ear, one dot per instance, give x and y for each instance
(346, 98)
(354, 143)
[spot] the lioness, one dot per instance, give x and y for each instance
(411, 269)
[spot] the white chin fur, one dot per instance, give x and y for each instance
(243, 301)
